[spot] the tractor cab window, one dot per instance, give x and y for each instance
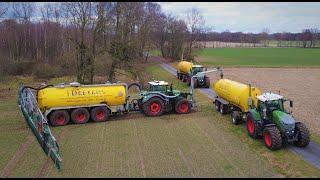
(275, 105)
(195, 70)
(157, 88)
(261, 106)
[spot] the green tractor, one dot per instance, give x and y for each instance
(160, 98)
(200, 79)
(275, 124)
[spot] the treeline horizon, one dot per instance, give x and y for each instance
(90, 38)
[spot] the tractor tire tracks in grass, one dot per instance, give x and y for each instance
(311, 153)
(17, 156)
(139, 150)
(43, 171)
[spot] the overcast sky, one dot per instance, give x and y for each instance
(252, 16)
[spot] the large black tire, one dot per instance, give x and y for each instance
(153, 107)
(59, 118)
(303, 135)
(195, 83)
(222, 108)
(80, 116)
(235, 117)
(253, 127)
(217, 105)
(182, 106)
(207, 82)
(272, 138)
(99, 114)
(189, 81)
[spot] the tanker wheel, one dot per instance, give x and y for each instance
(183, 78)
(153, 107)
(303, 135)
(235, 118)
(195, 84)
(189, 81)
(252, 127)
(222, 108)
(80, 116)
(272, 138)
(217, 105)
(183, 106)
(99, 114)
(59, 118)
(207, 80)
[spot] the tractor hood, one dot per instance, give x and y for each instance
(284, 120)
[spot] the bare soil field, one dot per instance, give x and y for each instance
(302, 85)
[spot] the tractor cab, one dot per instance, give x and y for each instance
(269, 102)
(160, 86)
(196, 69)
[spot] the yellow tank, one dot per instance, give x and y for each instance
(236, 93)
(83, 95)
(185, 66)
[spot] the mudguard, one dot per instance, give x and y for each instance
(255, 114)
(39, 125)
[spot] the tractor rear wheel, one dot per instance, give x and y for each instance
(252, 127)
(80, 116)
(59, 118)
(183, 106)
(153, 107)
(303, 135)
(217, 105)
(99, 114)
(272, 138)
(207, 84)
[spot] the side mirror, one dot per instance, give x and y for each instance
(291, 104)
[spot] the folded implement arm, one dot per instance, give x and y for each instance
(38, 124)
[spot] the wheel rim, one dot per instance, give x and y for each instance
(100, 115)
(60, 120)
(155, 108)
(267, 139)
(184, 107)
(250, 125)
(81, 117)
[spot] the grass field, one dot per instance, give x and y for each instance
(260, 57)
(200, 144)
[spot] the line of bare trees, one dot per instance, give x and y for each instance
(84, 38)
(307, 38)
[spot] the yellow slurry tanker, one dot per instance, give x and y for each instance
(80, 99)
(186, 70)
(265, 114)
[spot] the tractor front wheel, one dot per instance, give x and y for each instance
(183, 106)
(59, 118)
(272, 138)
(303, 135)
(80, 116)
(153, 107)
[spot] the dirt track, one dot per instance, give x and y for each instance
(302, 85)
